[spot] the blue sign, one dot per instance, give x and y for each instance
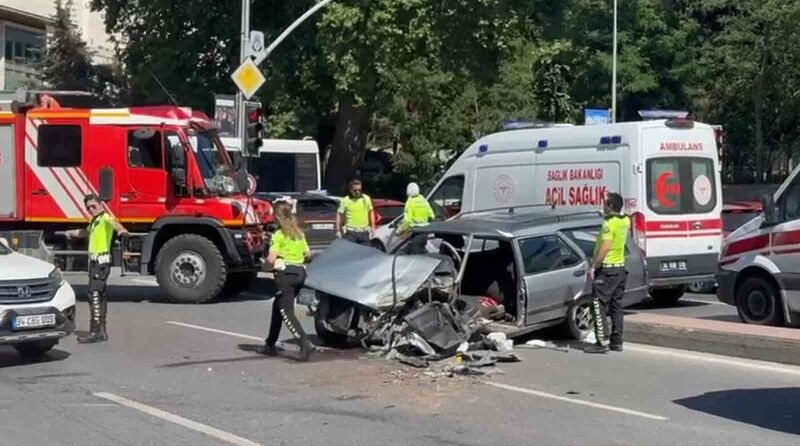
(595, 116)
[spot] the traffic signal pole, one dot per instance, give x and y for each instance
(240, 108)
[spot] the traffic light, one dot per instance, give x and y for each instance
(255, 129)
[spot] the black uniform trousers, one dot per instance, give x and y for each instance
(357, 237)
(289, 282)
(608, 290)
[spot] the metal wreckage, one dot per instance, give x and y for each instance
(405, 307)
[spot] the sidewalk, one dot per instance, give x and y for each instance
(773, 344)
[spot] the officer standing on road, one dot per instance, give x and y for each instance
(417, 212)
(100, 232)
(288, 254)
(608, 275)
(355, 214)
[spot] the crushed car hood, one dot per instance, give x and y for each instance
(364, 275)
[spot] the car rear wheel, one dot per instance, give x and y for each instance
(34, 350)
(757, 302)
(329, 338)
(667, 296)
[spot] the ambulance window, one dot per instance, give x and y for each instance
(144, 149)
(446, 200)
(59, 146)
(681, 185)
(791, 202)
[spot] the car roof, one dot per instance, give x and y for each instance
(509, 224)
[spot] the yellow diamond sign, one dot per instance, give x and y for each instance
(248, 78)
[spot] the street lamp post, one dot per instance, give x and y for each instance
(614, 70)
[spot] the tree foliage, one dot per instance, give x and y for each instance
(423, 79)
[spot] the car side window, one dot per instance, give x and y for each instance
(791, 202)
(547, 253)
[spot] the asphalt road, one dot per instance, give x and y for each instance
(700, 306)
(176, 374)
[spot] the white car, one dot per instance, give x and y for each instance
(37, 307)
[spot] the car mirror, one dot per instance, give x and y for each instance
(771, 213)
(179, 176)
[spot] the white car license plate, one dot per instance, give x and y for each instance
(322, 226)
(33, 321)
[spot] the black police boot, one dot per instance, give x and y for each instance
(96, 333)
(269, 349)
(103, 314)
(294, 326)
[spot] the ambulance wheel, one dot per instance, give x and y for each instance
(667, 296)
(190, 269)
(237, 283)
(758, 303)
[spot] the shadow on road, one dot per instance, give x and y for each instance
(10, 358)
(650, 304)
(776, 409)
(262, 289)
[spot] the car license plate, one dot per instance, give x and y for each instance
(322, 226)
(33, 321)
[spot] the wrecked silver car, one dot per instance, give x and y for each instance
(497, 271)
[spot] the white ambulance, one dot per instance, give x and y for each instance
(667, 171)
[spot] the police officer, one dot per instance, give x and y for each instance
(288, 254)
(608, 275)
(417, 212)
(100, 232)
(355, 214)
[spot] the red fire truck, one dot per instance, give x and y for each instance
(162, 172)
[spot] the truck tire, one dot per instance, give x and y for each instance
(667, 296)
(237, 283)
(190, 269)
(34, 350)
(758, 302)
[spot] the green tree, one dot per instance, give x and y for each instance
(67, 62)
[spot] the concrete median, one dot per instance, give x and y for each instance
(773, 344)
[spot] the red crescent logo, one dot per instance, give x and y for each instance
(663, 189)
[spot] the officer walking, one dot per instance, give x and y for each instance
(355, 215)
(417, 212)
(100, 232)
(608, 275)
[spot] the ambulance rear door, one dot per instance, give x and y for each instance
(682, 221)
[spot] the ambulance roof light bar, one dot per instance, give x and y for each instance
(649, 115)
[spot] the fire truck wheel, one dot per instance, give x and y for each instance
(667, 296)
(758, 303)
(190, 269)
(238, 283)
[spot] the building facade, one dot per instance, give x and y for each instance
(23, 36)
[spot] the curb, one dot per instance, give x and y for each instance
(750, 346)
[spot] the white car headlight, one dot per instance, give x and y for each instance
(56, 278)
(228, 185)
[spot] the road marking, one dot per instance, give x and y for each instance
(172, 418)
(700, 301)
(751, 364)
(214, 330)
(577, 401)
(144, 281)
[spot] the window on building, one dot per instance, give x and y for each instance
(23, 47)
(59, 146)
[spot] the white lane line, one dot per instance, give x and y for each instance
(751, 364)
(172, 418)
(214, 330)
(144, 281)
(577, 401)
(699, 301)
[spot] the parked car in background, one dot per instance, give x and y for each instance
(387, 210)
(316, 212)
(37, 307)
(734, 215)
